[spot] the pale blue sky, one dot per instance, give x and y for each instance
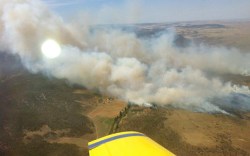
(137, 11)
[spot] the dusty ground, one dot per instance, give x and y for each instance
(191, 133)
(57, 136)
(201, 129)
(183, 132)
(232, 35)
(100, 109)
(104, 110)
(103, 116)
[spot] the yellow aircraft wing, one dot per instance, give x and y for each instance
(126, 144)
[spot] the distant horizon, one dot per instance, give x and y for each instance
(177, 22)
(146, 11)
(191, 21)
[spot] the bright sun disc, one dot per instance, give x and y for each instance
(51, 49)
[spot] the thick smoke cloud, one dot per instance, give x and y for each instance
(121, 64)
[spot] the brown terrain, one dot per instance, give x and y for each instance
(41, 116)
(234, 34)
(101, 110)
(191, 133)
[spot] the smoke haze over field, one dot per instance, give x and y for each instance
(121, 64)
(148, 11)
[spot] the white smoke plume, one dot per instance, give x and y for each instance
(119, 63)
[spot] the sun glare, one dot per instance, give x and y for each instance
(51, 49)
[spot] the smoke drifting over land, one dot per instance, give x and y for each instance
(119, 63)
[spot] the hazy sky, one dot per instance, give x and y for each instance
(130, 11)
